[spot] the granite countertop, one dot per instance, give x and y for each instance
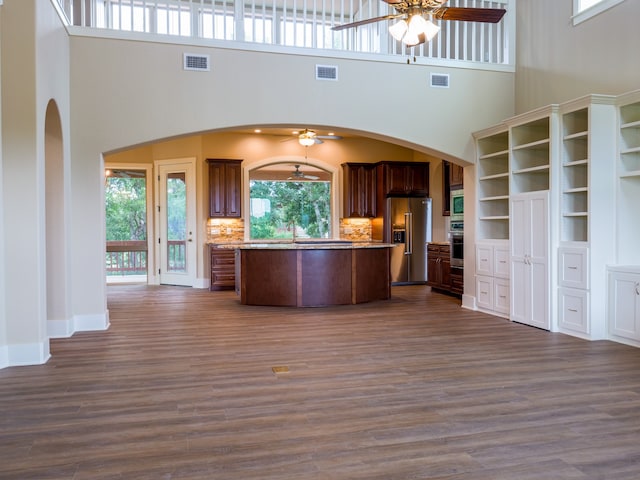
(302, 245)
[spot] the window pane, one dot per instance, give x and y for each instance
(287, 210)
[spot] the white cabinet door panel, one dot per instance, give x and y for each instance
(624, 305)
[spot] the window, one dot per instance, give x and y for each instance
(287, 206)
(585, 9)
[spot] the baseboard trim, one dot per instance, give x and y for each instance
(90, 323)
(25, 354)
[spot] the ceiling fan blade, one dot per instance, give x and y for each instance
(365, 22)
(310, 177)
(329, 137)
(488, 15)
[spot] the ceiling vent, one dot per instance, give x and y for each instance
(326, 72)
(196, 62)
(440, 80)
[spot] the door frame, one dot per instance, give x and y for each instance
(150, 188)
(191, 210)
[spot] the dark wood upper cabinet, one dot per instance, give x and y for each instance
(452, 179)
(404, 178)
(456, 175)
(359, 190)
(225, 188)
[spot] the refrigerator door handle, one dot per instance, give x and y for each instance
(408, 225)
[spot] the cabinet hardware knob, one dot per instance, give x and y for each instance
(572, 268)
(637, 288)
(573, 310)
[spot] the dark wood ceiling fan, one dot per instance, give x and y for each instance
(407, 9)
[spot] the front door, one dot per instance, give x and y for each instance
(176, 210)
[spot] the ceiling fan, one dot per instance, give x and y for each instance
(298, 175)
(414, 29)
(308, 137)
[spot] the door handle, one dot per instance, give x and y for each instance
(408, 220)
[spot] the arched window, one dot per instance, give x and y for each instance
(289, 201)
(585, 9)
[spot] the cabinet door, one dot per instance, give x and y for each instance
(529, 259)
(216, 189)
(418, 179)
(225, 188)
(445, 273)
(624, 305)
(396, 179)
(456, 175)
(360, 190)
(233, 189)
(433, 266)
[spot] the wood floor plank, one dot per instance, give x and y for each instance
(182, 387)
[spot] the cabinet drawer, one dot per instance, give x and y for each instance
(501, 295)
(484, 259)
(227, 261)
(501, 262)
(573, 265)
(484, 292)
(573, 310)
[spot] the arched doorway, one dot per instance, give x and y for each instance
(59, 322)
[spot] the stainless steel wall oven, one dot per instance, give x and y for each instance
(456, 238)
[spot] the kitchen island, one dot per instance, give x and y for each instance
(312, 274)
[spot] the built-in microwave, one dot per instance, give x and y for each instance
(457, 205)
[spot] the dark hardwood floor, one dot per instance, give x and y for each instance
(182, 387)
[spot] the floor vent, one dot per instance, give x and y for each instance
(196, 62)
(440, 80)
(326, 72)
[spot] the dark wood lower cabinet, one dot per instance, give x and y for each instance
(313, 277)
(440, 274)
(457, 280)
(223, 270)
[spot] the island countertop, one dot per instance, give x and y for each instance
(303, 245)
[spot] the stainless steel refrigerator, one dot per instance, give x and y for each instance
(410, 229)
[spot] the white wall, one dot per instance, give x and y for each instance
(4, 353)
(557, 62)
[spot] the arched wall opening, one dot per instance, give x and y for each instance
(57, 285)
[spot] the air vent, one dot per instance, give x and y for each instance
(326, 72)
(196, 62)
(440, 80)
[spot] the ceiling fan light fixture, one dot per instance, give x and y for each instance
(398, 29)
(307, 138)
(414, 32)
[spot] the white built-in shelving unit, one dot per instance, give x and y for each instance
(531, 153)
(493, 184)
(575, 175)
(628, 198)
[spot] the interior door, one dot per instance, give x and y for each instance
(176, 210)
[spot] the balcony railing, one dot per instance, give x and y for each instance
(126, 258)
(297, 23)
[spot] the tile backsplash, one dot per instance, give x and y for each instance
(225, 230)
(230, 230)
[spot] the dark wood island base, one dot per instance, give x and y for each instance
(318, 276)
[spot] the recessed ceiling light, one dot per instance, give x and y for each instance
(257, 130)
(295, 132)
